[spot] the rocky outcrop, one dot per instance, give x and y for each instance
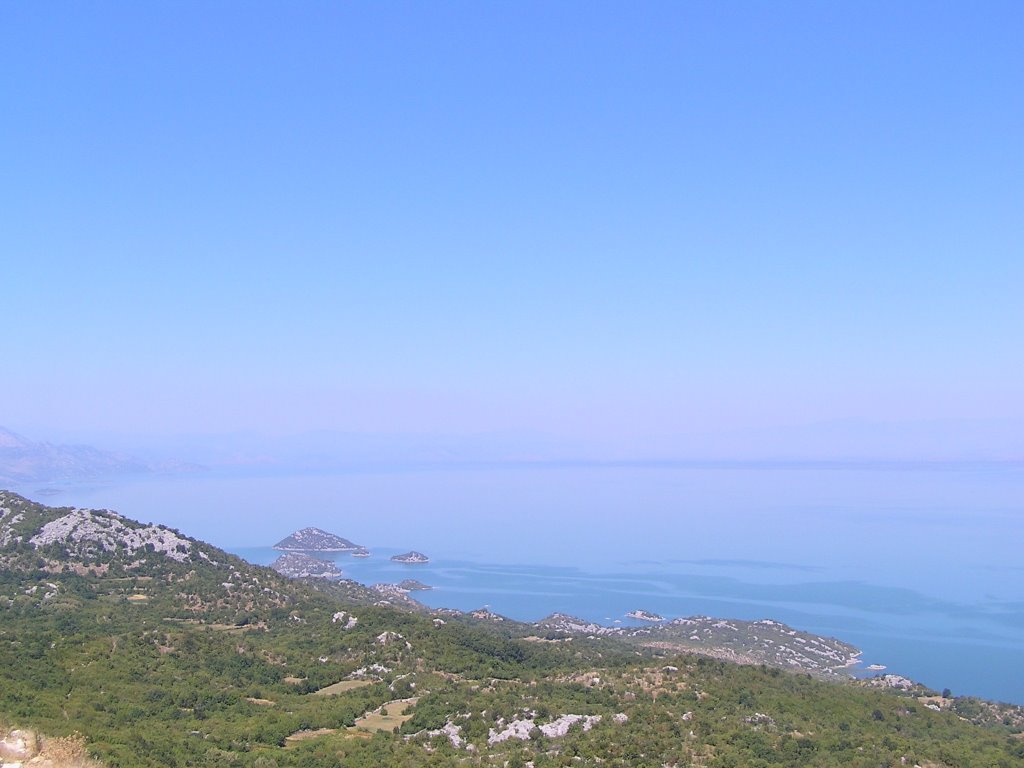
(345, 619)
(524, 727)
(451, 732)
(22, 748)
(19, 745)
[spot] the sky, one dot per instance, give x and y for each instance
(618, 226)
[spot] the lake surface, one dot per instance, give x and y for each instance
(921, 567)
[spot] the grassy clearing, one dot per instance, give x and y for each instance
(303, 735)
(341, 687)
(398, 712)
(233, 629)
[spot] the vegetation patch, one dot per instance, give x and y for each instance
(341, 687)
(306, 734)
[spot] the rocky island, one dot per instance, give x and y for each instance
(316, 540)
(298, 565)
(411, 557)
(641, 615)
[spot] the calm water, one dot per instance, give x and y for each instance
(921, 568)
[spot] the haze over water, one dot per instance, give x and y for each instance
(919, 567)
(536, 255)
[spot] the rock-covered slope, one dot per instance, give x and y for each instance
(85, 537)
(746, 642)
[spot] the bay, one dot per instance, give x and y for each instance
(918, 565)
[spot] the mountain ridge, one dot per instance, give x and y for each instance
(26, 461)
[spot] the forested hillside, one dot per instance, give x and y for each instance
(165, 651)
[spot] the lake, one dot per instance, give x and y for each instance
(920, 566)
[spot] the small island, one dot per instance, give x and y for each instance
(298, 565)
(641, 615)
(411, 558)
(316, 540)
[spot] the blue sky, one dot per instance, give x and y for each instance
(615, 224)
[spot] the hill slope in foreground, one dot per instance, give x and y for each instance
(162, 650)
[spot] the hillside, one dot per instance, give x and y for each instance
(298, 565)
(163, 651)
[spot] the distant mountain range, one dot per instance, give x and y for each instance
(847, 442)
(25, 461)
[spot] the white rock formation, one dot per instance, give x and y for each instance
(560, 727)
(517, 729)
(109, 533)
(452, 732)
(347, 621)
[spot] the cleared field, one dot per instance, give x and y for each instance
(341, 687)
(398, 712)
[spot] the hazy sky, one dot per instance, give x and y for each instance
(600, 221)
